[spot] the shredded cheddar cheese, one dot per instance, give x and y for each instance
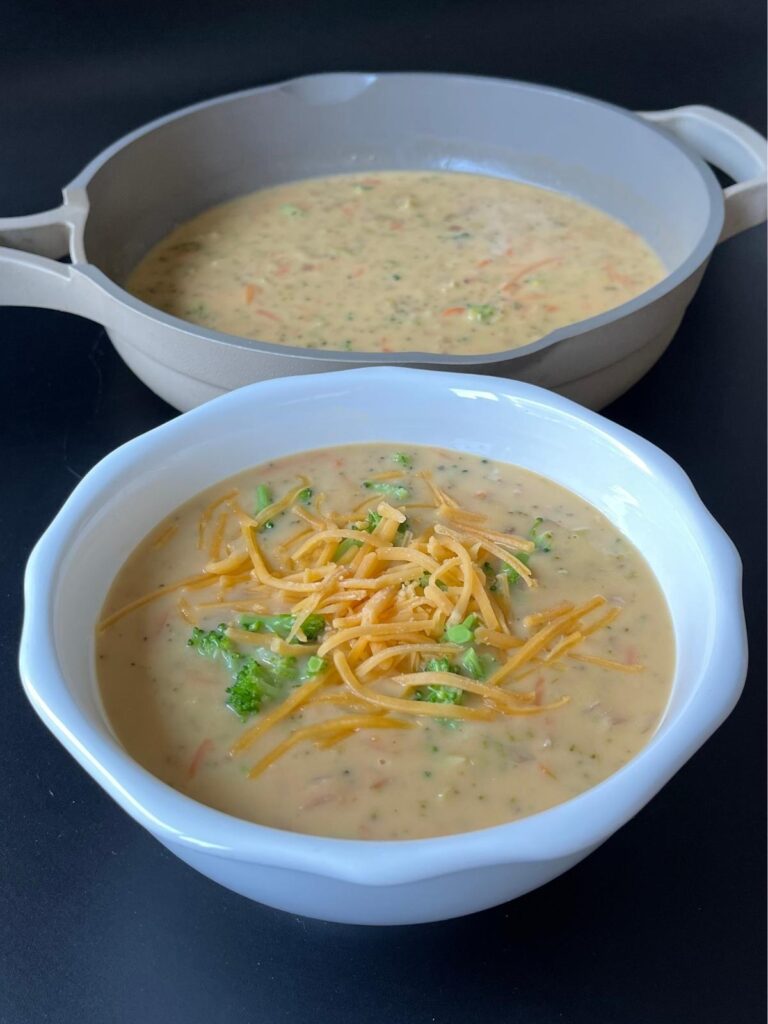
(396, 609)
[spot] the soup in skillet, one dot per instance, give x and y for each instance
(396, 262)
(380, 644)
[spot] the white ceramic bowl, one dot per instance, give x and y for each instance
(640, 489)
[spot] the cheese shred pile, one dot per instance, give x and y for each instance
(393, 601)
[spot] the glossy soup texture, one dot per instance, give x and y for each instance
(168, 704)
(395, 262)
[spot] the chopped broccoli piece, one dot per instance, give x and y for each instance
(464, 632)
(483, 313)
(543, 540)
(372, 521)
(305, 496)
(439, 694)
(344, 546)
(367, 525)
(402, 459)
(424, 579)
(263, 497)
(251, 687)
(472, 665)
(510, 572)
(490, 576)
(316, 665)
(281, 625)
(291, 210)
(262, 676)
(438, 665)
(264, 500)
(383, 487)
(313, 626)
(282, 668)
(214, 644)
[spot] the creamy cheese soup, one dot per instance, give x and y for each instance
(395, 262)
(375, 643)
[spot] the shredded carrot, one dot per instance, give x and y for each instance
(529, 269)
(454, 310)
(199, 757)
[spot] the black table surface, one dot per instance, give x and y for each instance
(98, 923)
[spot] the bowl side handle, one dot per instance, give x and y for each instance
(30, 274)
(731, 146)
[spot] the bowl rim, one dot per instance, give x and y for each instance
(698, 255)
(570, 828)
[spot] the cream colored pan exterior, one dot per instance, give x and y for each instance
(648, 170)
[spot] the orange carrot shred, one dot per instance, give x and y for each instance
(199, 757)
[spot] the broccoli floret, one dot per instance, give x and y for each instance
(252, 686)
(542, 539)
(316, 665)
(261, 676)
(372, 520)
(215, 643)
(280, 625)
(367, 525)
(510, 572)
(305, 496)
(282, 668)
(383, 487)
(438, 665)
(484, 313)
(313, 626)
(439, 694)
(402, 459)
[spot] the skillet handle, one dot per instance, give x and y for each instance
(29, 273)
(731, 146)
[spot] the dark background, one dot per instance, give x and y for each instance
(97, 922)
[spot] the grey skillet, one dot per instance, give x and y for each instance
(648, 170)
